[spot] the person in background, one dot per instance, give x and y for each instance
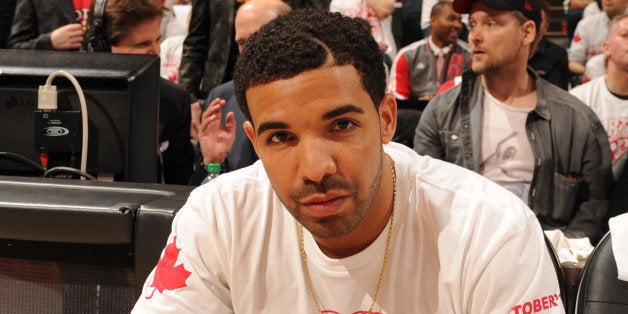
(549, 60)
(334, 218)
(420, 68)
(608, 95)
(7, 10)
(48, 25)
(124, 32)
(229, 145)
(209, 51)
(590, 33)
(528, 135)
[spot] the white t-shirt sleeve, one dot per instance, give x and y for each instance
(190, 276)
(520, 277)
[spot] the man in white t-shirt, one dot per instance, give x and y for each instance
(608, 95)
(334, 218)
(590, 33)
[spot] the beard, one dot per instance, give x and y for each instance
(342, 224)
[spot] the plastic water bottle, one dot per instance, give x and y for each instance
(213, 171)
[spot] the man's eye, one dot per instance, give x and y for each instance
(279, 138)
(344, 125)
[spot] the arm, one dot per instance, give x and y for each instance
(578, 4)
(399, 81)
(577, 52)
(195, 49)
(7, 9)
(595, 188)
(24, 33)
(427, 136)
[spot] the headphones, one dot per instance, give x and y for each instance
(98, 42)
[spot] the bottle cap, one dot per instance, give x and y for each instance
(215, 168)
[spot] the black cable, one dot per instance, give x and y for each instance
(68, 170)
(21, 159)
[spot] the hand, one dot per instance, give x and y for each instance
(382, 46)
(195, 123)
(427, 97)
(67, 37)
(216, 141)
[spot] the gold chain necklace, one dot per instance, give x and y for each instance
(380, 279)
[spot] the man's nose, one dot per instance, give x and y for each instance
(315, 159)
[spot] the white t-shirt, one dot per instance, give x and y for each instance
(612, 111)
(507, 157)
(460, 244)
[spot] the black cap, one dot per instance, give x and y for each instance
(530, 8)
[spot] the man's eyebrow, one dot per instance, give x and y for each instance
(342, 110)
(263, 127)
(271, 125)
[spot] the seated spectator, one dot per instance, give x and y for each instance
(526, 134)
(121, 32)
(334, 218)
(549, 60)
(590, 33)
(608, 95)
(229, 145)
(7, 10)
(48, 25)
(419, 69)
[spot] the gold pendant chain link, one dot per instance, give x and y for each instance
(380, 279)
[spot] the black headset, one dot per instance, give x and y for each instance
(98, 42)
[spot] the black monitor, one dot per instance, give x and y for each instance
(122, 96)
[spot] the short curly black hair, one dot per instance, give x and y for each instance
(304, 40)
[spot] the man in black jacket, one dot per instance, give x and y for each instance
(122, 33)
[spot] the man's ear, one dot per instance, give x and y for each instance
(250, 133)
(529, 32)
(388, 117)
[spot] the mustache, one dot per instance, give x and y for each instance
(332, 182)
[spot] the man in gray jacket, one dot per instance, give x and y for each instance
(517, 129)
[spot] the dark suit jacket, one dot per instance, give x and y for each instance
(34, 21)
(550, 63)
(7, 9)
(174, 129)
(242, 153)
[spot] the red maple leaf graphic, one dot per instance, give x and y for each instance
(576, 38)
(167, 276)
(527, 6)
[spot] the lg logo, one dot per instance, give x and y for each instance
(56, 131)
(14, 102)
